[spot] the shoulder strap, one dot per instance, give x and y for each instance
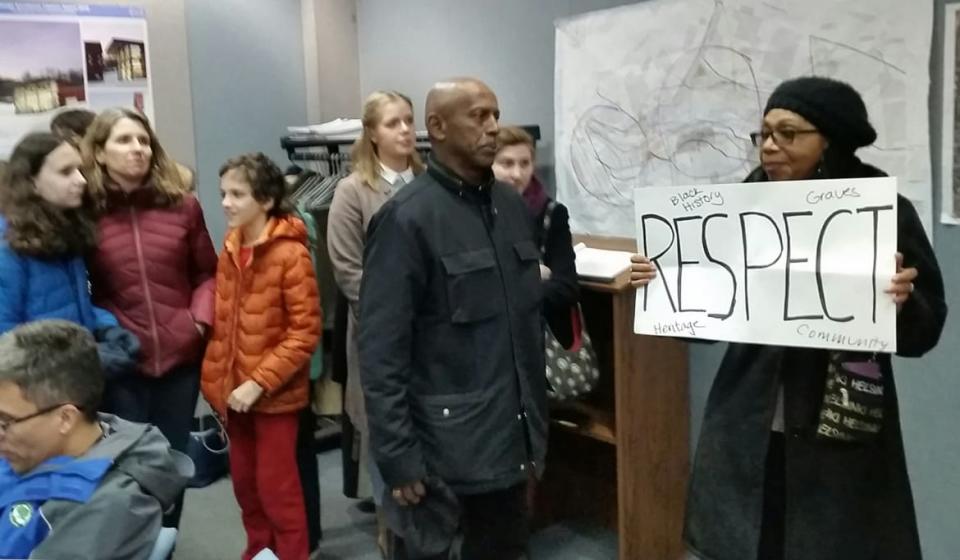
(547, 217)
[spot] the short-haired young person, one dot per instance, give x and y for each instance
(74, 483)
(266, 326)
(514, 164)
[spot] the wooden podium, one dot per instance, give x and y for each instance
(621, 456)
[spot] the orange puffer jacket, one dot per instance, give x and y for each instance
(266, 320)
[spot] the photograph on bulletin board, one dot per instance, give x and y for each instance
(58, 57)
(950, 175)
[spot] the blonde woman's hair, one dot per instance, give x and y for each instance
(363, 156)
(168, 184)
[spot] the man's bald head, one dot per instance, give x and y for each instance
(444, 96)
(462, 115)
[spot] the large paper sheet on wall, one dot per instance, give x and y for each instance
(797, 263)
(666, 92)
(59, 56)
(950, 154)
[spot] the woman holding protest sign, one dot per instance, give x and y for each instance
(793, 462)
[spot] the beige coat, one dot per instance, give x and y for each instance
(354, 204)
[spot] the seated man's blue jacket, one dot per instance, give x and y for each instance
(22, 526)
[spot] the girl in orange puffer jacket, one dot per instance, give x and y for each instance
(266, 326)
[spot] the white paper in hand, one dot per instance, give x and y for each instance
(600, 264)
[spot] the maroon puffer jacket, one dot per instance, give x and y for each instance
(154, 269)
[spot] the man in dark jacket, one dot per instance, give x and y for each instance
(451, 343)
(74, 484)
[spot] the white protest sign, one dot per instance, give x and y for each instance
(795, 263)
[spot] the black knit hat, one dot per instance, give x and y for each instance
(834, 107)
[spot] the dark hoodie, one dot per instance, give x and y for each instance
(106, 504)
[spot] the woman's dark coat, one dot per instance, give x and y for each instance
(843, 501)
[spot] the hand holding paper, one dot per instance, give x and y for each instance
(642, 271)
(902, 284)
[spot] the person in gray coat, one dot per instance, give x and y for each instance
(75, 483)
(384, 158)
(451, 343)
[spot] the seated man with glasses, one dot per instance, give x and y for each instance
(74, 483)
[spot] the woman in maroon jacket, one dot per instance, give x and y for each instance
(153, 268)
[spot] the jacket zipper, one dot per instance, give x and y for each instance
(146, 291)
(486, 215)
(231, 369)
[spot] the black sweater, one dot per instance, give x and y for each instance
(561, 291)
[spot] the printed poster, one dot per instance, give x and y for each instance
(56, 57)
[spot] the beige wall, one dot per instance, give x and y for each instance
(247, 82)
(331, 59)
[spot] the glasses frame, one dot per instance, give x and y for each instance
(6, 424)
(780, 137)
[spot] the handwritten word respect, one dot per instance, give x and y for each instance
(682, 235)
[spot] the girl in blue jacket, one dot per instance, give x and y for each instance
(45, 229)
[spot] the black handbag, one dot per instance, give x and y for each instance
(208, 448)
(852, 409)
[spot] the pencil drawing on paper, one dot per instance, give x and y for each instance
(637, 107)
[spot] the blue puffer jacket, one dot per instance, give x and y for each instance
(33, 288)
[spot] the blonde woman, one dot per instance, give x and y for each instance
(384, 159)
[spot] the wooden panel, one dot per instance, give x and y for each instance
(652, 418)
(579, 482)
(587, 420)
(641, 406)
(604, 242)
(598, 320)
(619, 284)
(593, 415)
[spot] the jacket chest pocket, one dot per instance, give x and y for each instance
(528, 270)
(474, 287)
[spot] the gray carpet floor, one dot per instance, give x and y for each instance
(210, 528)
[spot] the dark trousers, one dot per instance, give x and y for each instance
(493, 525)
(167, 402)
(774, 501)
(309, 472)
(349, 457)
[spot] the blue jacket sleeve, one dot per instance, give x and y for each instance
(13, 286)
(103, 319)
